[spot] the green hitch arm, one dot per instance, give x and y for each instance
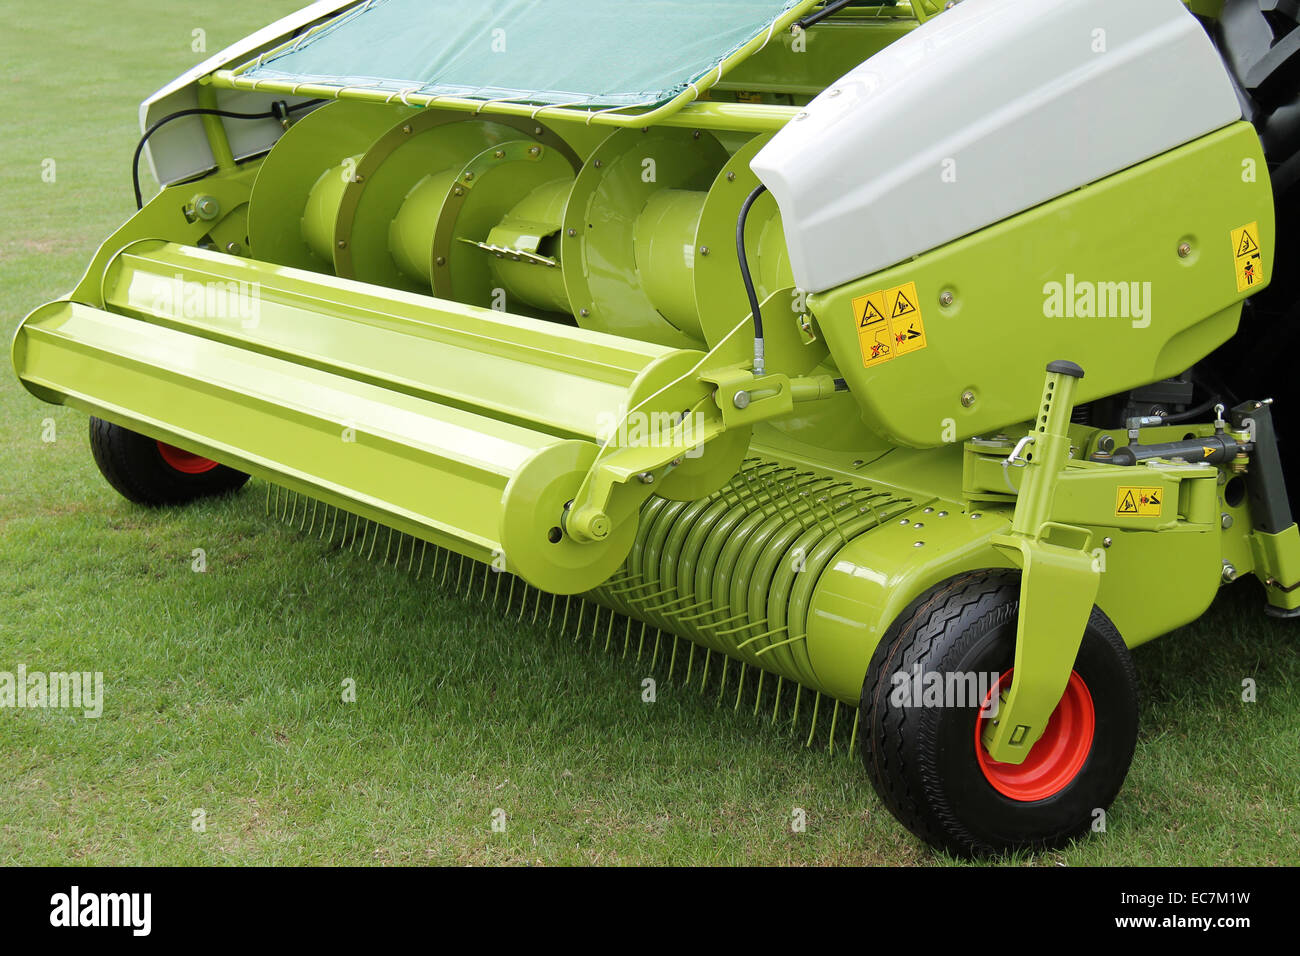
(1058, 583)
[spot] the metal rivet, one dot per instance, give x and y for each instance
(704, 250)
(1106, 542)
(1185, 250)
(903, 521)
(459, 191)
(919, 544)
(731, 177)
(534, 150)
(858, 462)
(598, 163)
(441, 261)
(500, 154)
(967, 398)
(343, 243)
(406, 128)
(943, 514)
(919, 525)
(537, 131)
(1225, 521)
(584, 313)
(468, 177)
(928, 511)
(976, 516)
(946, 299)
(695, 135)
(573, 232)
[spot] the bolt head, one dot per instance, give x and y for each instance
(740, 399)
(967, 398)
(946, 299)
(704, 250)
(1185, 250)
(1225, 521)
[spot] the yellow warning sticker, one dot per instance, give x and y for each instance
(889, 324)
(1248, 257)
(1139, 502)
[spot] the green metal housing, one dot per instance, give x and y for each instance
(520, 334)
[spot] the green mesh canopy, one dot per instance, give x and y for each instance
(602, 53)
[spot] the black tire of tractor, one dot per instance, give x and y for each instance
(922, 761)
(134, 465)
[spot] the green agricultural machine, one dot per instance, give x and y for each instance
(920, 358)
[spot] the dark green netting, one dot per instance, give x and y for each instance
(590, 52)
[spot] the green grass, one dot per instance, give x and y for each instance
(223, 688)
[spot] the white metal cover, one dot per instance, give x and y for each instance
(987, 110)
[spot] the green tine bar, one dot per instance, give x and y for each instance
(776, 705)
(740, 688)
(758, 696)
(835, 713)
(722, 686)
(817, 706)
(853, 738)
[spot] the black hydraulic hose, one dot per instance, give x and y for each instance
(1191, 413)
(279, 111)
(827, 11)
(748, 279)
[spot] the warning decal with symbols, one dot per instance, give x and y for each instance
(889, 324)
(1248, 257)
(1139, 502)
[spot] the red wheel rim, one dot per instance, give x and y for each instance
(1057, 756)
(184, 461)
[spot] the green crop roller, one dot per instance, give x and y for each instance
(894, 352)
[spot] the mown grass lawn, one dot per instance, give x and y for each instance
(223, 688)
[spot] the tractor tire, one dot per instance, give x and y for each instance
(927, 762)
(152, 473)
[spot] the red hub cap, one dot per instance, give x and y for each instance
(1056, 758)
(184, 461)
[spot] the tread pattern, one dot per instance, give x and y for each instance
(132, 464)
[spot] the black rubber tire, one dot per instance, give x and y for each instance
(922, 760)
(135, 467)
